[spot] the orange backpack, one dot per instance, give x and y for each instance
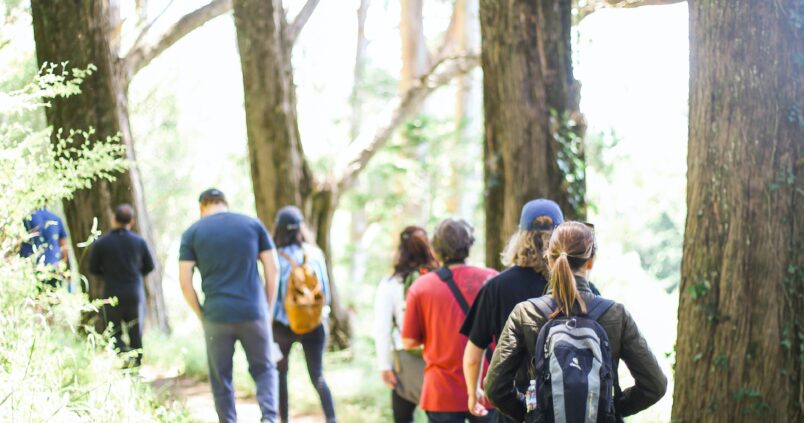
(304, 299)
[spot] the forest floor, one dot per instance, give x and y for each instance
(196, 397)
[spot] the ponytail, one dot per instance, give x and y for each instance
(572, 244)
(562, 282)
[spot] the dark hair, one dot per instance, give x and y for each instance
(283, 236)
(453, 239)
(571, 246)
(124, 214)
(212, 196)
(414, 252)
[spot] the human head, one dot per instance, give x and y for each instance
(124, 216)
(212, 200)
(453, 240)
(571, 249)
(526, 246)
(289, 227)
(414, 252)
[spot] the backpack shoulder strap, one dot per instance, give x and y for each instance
(597, 307)
(292, 262)
(545, 304)
(446, 275)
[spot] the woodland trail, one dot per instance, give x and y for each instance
(196, 398)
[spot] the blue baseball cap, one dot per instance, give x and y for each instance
(290, 217)
(538, 208)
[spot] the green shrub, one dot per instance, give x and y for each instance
(51, 367)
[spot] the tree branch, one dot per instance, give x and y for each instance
(141, 55)
(295, 28)
(358, 154)
(592, 6)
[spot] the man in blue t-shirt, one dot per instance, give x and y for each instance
(48, 240)
(225, 247)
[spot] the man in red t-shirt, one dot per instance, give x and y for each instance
(433, 317)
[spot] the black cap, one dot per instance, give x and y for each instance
(289, 217)
(212, 196)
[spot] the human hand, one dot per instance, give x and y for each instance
(388, 378)
(475, 404)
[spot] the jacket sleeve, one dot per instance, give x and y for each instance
(650, 383)
(383, 315)
(508, 357)
(95, 261)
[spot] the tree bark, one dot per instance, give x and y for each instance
(415, 56)
(77, 32)
(739, 348)
(527, 67)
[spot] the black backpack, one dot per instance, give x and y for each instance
(573, 369)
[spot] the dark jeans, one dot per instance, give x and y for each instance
(255, 338)
(313, 344)
(128, 314)
(459, 417)
(502, 418)
(403, 409)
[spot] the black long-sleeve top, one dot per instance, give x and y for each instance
(121, 258)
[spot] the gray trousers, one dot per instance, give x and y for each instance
(255, 337)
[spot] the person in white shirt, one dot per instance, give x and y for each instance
(402, 371)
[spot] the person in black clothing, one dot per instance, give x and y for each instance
(122, 259)
(525, 278)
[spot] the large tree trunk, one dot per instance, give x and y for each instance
(279, 172)
(739, 351)
(527, 70)
(76, 32)
(414, 48)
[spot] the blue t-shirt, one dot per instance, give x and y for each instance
(48, 229)
(316, 260)
(225, 248)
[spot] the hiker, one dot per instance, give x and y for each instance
(225, 247)
(122, 259)
(572, 352)
(302, 312)
(437, 304)
(526, 277)
(402, 371)
(48, 240)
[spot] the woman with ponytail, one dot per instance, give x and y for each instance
(570, 257)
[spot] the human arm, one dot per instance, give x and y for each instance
(383, 331)
(511, 351)
(270, 267)
(147, 259)
(186, 283)
(95, 261)
(650, 383)
(472, 365)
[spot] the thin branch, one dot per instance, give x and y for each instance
(140, 56)
(295, 28)
(358, 154)
(148, 26)
(592, 6)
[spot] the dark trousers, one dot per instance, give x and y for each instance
(126, 315)
(459, 417)
(313, 344)
(403, 409)
(255, 338)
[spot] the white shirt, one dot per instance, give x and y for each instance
(389, 304)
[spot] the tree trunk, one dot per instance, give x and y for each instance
(739, 350)
(279, 172)
(414, 48)
(76, 32)
(527, 70)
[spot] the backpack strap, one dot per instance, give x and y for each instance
(545, 304)
(446, 275)
(597, 307)
(292, 262)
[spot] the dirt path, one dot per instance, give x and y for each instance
(197, 398)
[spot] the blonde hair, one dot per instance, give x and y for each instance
(571, 246)
(526, 248)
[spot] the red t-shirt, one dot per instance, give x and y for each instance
(434, 318)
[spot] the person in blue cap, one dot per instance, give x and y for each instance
(48, 242)
(526, 277)
(297, 252)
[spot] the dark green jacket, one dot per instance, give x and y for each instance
(518, 341)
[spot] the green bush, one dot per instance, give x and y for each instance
(52, 368)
